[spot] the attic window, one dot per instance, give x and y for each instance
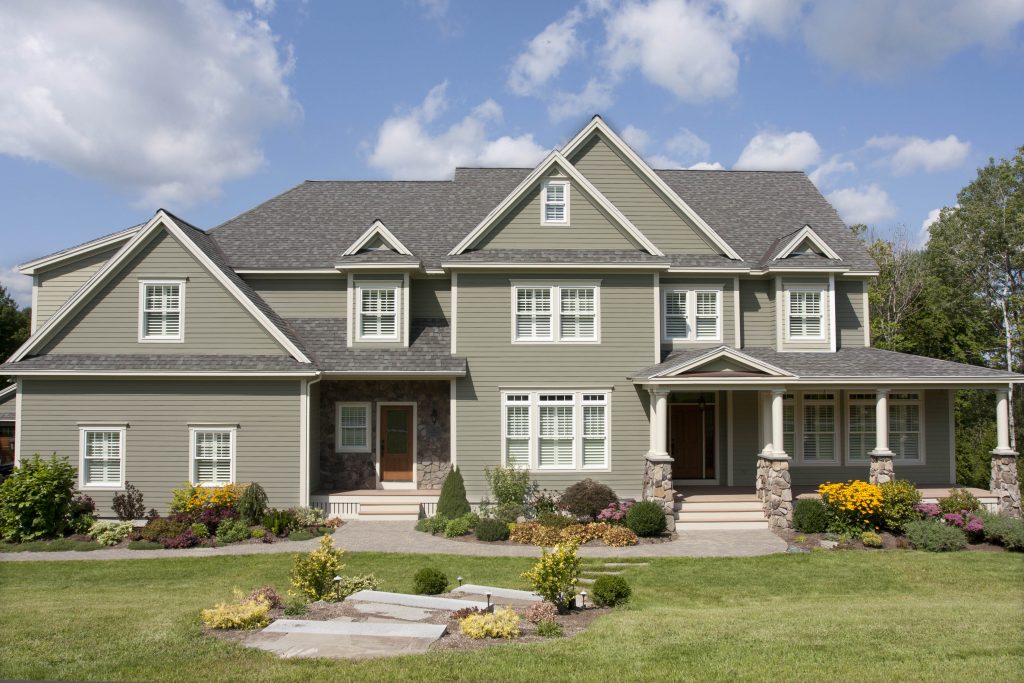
(554, 209)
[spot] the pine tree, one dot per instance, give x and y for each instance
(453, 502)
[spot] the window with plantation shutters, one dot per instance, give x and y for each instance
(806, 314)
(819, 428)
(905, 426)
(517, 431)
(555, 202)
(556, 432)
(788, 424)
(677, 325)
(861, 426)
(161, 307)
(102, 462)
(595, 440)
(563, 430)
(707, 315)
(556, 312)
(533, 313)
(213, 454)
(692, 314)
(353, 428)
(378, 311)
(578, 313)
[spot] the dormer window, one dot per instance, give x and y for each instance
(554, 209)
(161, 310)
(377, 311)
(806, 313)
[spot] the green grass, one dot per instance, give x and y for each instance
(840, 616)
(50, 546)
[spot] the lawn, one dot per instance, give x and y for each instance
(840, 616)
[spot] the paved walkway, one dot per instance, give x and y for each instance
(402, 537)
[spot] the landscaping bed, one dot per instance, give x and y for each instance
(807, 541)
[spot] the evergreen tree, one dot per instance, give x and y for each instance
(452, 502)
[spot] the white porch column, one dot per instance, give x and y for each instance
(778, 440)
(881, 468)
(766, 421)
(1003, 421)
(773, 484)
(659, 433)
(658, 484)
(1004, 482)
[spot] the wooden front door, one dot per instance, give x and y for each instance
(686, 441)
(396, 443)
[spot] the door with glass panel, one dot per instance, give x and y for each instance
(396, 443)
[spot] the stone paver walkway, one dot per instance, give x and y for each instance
(402, 537)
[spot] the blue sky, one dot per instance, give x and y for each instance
(207, 108)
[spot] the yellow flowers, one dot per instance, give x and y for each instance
(854, 504)
(192, 498)
(502, 623)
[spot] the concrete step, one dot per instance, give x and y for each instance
(358, 628)
(726, 516)
(498, 593)
(720, 506)
(617, 565)
(721, 526)
(389, 508)
(407, 600)
(587, 581)
(593, 572)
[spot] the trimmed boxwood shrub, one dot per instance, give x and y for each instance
(490, 529)
(646, 518)
(587, 499)
(452, 503)
(432, 525)
(429, 581)
(810, 516)
(934, 536)
(609, 591)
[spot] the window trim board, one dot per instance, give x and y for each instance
(180, 338)
(82, 430)
(368, 407)
(564, 182)
(193, 429)
(555, 287)
(691, 313)
(533, 440)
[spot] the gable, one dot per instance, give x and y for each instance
(54, 286)
(215, 322)
(375, 243)
(724, 365)
(620, 182)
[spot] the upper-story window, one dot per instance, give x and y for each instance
(563, 312)
(161, 310)
(554, 205)
(377, 306)
(805, 313)
(692, 314)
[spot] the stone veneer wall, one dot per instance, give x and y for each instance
(348, 471)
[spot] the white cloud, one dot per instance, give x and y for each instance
(264, 7)
(17, 285)
(688, 145)
(663, 162)
(880, 39)
(406, 149)
(779, 152)
(435, 9)
(597, 95)
(165, 100)
(707, 166)
(637, 138)
(834, 166)
(918, 154)
(868, 204)
(926, 225)
(772, 16)
(546, 55)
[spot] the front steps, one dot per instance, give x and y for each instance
(715, 510)
(398, 505)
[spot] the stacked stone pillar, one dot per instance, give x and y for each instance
(658, 485)
(773, 484)
(1005, 484)
(882, 470)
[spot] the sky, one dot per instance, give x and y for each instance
(111, 110)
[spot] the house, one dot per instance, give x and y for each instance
(7, 415)
(671, 333)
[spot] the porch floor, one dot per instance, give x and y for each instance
(380, 492)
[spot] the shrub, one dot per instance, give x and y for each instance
(543, 501)
(609, 591)
(82, 514)
(556, 574)
(186, 539)
(237, 615)
(618, 537)
(959, 500)
(510, 486)
(810, 516)
(258, 532)
(587, 498)
(301, 535)
(1003, 530)
(646, 518)
(871, 540)
(265, 594)
(278, 522)
(109, 533)
(541, 611)
(898, 500)
(534, 533)
(353, 584)
(312, 575)
(232, 531)
(305, 517)
(200, 530)
(35, 501)
(252, 504)
(934, 536)
(295, 606)
(127, 504)
(429, 581)
(852, 507)
(972, 524)
(509, 512)
(462, 613)
(491, 530)
(144, 545)
(452, 503)
(213, 517)
(555, 520)
(615, 513)
(432, 525)
(928, 510)
(550, 629)
(162, 527)
(502, 623)
(457, 527)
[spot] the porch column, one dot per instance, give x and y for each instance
(882, 470)
(1004, 482)
(778, 441)
(657, 483)
(775, 488)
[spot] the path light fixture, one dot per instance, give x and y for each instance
(583, 594)
(459, 579)
(488, 599)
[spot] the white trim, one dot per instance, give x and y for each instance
(455, 312)
(12, 389)
(367, 406)
(161, 219)
(951, 400)
(598, 125)
(17, 422)
(807, 233)
(798, 402)
(692, 270)
(350, 293)
(553, 159)
(823, 303)
(34, 321)
(723, 352)
(555, 289)
(922, 429)
(158, 339)
(415, 446)
(833, 333)
(82, 431)
(497, 265)
(304, 463)
(285, 271)
(780, 315)
(195, 428)
(692, 291)
(848, 405)
(406, 298)
(30, 267)
(908, 383)
(867, 314)
(533, 405)
(737, 313)
(730, 435)
(378, 228)
(377, 267)
(657, 318)
(156, 373)
(393, 374)
(453, 404)
(566, 189)
(400, 335)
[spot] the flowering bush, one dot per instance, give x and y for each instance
(502, 623)
(927, 510)
(959, 500)
(615, 513)
(541, 611)
(972, 525)
(556, 574)
(194, 499)
(307, 516)
(853, 506)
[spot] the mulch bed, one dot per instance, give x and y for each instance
(593, 543)
(889, 542)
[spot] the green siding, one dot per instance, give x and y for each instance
(484, 337)
(588, 227)
(850, 312)
(303, 297)
(728, 310)
(56, 285)
(815, 345)
(617, 180)
(215, 322)
(745, 437)
(368, 279)
(431, 298)
(158, 413)
(757, 306)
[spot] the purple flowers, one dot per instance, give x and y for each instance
(927, 510)
(615, 512)
(968, 521)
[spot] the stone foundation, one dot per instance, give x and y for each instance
(347, 471)
(659, 487)
(1005, 483)
(882, 470)
(775, 490)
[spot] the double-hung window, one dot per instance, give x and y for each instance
(819, 428)
(102, 456)
(692, 314)
(806, 314)
(861, 426)
(558, 430)
(161, 309)
(213, 455)
(554, 208)
(377, 311)
(563, 312)
(905, 426)
(353, 428)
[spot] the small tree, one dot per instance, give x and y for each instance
(128, 504)
(452, 502)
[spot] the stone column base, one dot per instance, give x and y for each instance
(882, 470)
(659, 487)
(1005, 484)
(775, 490)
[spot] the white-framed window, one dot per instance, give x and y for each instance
(213, 455)
(563, 312)
(556, 430)
(805, 313)
(377, 306)
(905, 427)
(554, 202)
(861, 433)
(352, 428)
(789, 424)
(692, 314)
(161, 310)
(101, 463)
(819, 429)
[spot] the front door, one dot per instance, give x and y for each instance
(396, 443)
(690, 441)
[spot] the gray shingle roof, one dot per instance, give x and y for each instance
(381, 256)
(155, 363)
(557, 256)
(127, 233)
(846, 362)
(429, 349)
